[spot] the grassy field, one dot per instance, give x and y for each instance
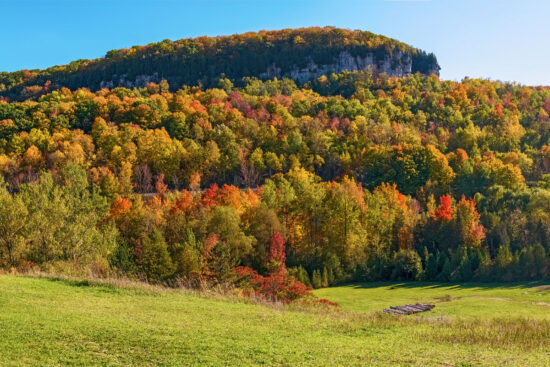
(50, 323)
(470, 300)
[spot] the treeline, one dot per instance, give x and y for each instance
(204, 60)
(352, 177)
(292, 232)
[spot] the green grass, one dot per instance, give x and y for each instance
(473, 300)
(50, 323)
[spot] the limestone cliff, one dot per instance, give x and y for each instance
(400, 64)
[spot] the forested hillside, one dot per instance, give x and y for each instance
(302, 54)
(351, 176)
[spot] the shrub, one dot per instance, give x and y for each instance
(407, 265)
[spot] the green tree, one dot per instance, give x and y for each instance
(445, 274)
(407, 265)
(225, 223)
(431, 266)
(13, 226)
(317, 279)
(154, 260)
(186, 256)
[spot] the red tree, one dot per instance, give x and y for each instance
(445, 209)
(209, 196)
(277, 255)
(278, 285)
(160, 186)
(184, 203)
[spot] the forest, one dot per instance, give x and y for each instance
(276, 187)
(202, 60)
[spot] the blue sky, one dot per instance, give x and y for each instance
(496, 39)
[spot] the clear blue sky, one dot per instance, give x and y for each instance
(497, 39)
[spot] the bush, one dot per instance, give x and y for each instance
(407, 265)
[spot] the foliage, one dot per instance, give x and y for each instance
(167, 184)
(231, 58)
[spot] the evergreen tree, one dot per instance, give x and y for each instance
(317, 279)
(154, 260)
(303, 276)
(431, 266)
(325, 277)
(445, 274)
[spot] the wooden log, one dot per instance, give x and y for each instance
(408, 309)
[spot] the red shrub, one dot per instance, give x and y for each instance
(278, 285)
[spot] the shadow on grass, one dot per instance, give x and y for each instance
(448, 285)
(100, 286)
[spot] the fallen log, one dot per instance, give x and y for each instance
(408, 309)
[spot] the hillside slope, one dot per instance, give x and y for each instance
(406, 178)
(54, 323)
(301, 54)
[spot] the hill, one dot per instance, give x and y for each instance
(275, 185)
(55, 323)
(350, 177)
(300, 54)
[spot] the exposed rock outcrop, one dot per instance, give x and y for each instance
(399, 65)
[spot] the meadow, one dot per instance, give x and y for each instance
(464, 300)
(52, 322)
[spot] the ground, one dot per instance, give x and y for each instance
(45, 322)
(474, 300)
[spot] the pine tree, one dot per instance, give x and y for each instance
(303, 276)
(466, 270)
(316, 279)
(325, 277)
(431, 267)
(503, 261)
(331, 278)
(445, 274)
(155, 260)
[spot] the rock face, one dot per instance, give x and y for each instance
(122, 81)
(399, 65)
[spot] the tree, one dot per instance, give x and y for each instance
(66, 222)
(277, 255)
(470, 229)
(445, 209)
(407, 265)
(47, 210)
(325, 277)
(125, 179)
(445, 274)
(317, 279)
(225, 224)
(431, 266)
(176, 125)
(143, 178)
(187, 257)
(33, 157)
(154, 260)
(81, 238)
(13, 226)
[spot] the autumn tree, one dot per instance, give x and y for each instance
(13, 226)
